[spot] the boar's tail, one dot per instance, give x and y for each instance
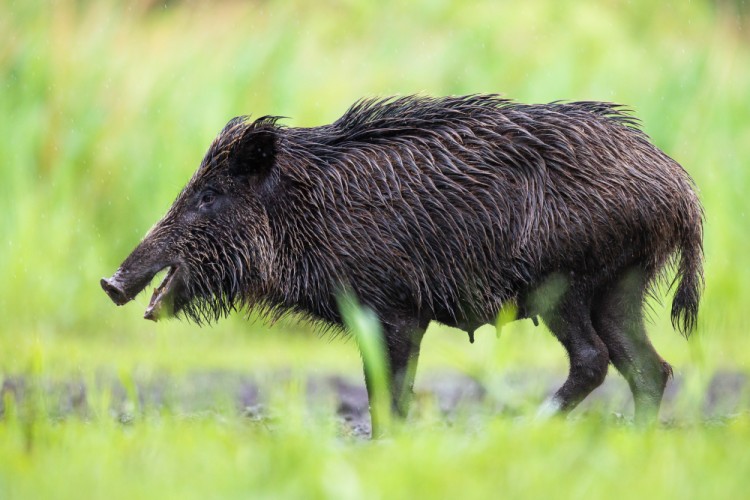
(689, 278)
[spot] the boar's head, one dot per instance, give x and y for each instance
(215, 239)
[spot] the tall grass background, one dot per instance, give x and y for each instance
(106, 109)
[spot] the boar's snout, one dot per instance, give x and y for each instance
(130, 279)
(115, 289)
(136, 271)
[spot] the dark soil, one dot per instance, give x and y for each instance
(450, 395)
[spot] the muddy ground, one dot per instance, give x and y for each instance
(450, 395)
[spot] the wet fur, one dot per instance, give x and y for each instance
(449, 208)
(443, 209)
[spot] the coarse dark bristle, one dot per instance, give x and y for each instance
(440, 209)
(454, 206)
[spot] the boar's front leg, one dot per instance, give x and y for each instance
(402, 341)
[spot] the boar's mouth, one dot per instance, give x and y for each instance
(163, 303)
(167, 299)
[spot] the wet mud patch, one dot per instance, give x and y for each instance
(449, 395)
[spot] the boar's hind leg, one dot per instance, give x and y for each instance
(570, 321)
(618, 320)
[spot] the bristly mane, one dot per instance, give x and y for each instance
(378, 116)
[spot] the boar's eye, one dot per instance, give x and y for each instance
(207, 199)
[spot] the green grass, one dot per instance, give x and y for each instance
(107, 108)
(220, 456)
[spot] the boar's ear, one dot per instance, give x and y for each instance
(255, 152)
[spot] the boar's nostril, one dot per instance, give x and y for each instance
(113, 289)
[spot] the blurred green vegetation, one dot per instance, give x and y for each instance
(107, 108)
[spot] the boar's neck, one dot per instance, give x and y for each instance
(307, 277)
